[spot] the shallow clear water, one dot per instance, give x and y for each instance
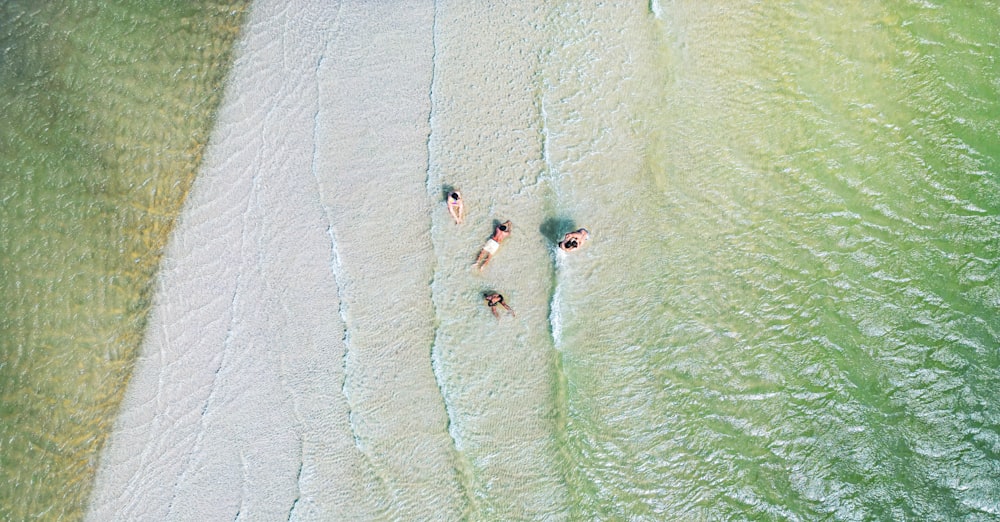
(788, 308)
(105, 111)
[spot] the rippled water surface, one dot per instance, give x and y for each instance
(788, 308)
(105, 110)
(826, 230)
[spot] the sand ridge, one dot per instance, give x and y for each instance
(239, 403)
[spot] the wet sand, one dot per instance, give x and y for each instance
(320, 349)
(238, 404)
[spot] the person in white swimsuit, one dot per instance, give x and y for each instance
(492, 244)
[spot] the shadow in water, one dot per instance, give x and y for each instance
(446, 191)
(554, 228)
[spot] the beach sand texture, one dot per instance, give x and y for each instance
(238, 403)
(287, 367)
(764, 325)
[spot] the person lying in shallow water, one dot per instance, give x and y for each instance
(456, 207)
(492, 244)
(574, 240)
(493, 299)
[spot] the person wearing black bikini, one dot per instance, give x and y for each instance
(456, 207)
(492, 300)
(574, 240)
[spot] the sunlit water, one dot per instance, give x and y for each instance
(789, 305)
(104, 112)
(809, 324)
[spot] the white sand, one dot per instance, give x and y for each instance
(318, 348)
(238, 406)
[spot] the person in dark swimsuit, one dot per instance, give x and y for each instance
(574, 240)
(493, 299)
(456, 207)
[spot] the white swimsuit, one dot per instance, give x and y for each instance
(491, 246)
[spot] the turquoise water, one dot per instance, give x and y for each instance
(788, 309)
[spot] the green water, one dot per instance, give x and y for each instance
(788, 310)
(106, 109)
(805, 325)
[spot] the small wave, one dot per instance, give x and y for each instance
(555, 304)
(654, 7)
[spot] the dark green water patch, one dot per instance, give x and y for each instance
(106, 109)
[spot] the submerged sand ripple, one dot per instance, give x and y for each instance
(240, 402)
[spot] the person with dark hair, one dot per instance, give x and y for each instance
(574, 240)
(492, 244)
(493, 299)
(456, 206)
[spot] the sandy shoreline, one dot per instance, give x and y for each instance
(238, 403)
(730, 343)
(318, 347)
